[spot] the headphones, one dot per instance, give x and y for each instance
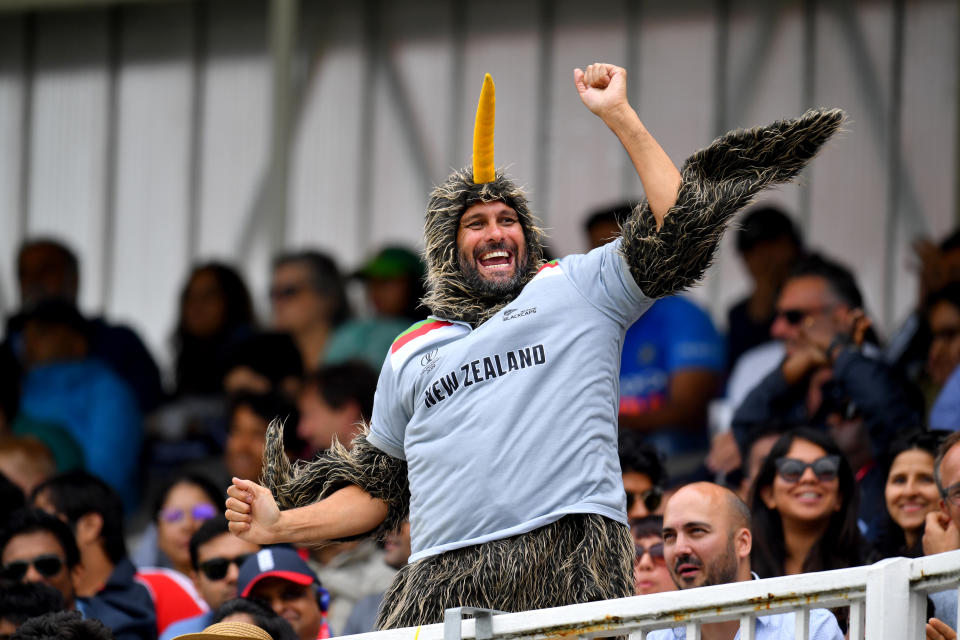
(323, 597)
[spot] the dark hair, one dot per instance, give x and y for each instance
(839, 278)
(263, 616)
(57, 312)
(20, 601)
(29, 520)
(949, 294)
(839, 547)
(11, 498)
(239, 306)
(948, 443)
(271, 354)
(325, 279)
(269, 407)
(646, 526)
(889, 540)
(641, 457)
(209, 530)
(62, 625)
(951, 242)
(616, 214)
(216, 495)
(77, 493)
(341, 383)
(765, 224)
(71, 266)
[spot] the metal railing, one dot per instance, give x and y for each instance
(886, 600)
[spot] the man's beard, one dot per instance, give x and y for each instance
(723, 571)
(497, 289)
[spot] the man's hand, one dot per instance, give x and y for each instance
(603, 88)
(940, 534)
(724, 454)
(252, 512)
(939, 630)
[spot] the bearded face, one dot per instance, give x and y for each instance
(492, 251)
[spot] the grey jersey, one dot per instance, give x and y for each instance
(512, 425)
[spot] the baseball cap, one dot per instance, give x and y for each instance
(392, 262)
(228, 631)
(274, 562)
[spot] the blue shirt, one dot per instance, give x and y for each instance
(779, 626)
(512, 425)
(196, 624)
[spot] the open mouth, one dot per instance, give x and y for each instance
(496, 260)
(808, 497)
(688, 570)
(913, 507)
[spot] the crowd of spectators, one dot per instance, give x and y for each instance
(799, 425)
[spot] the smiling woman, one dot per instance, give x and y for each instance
(804, 505)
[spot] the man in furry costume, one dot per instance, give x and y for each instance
(495, 422)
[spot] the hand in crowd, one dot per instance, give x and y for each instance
(939, 630)
(818, 350)
(940, 534)
(724, 454)
(252, 512)
(602, 87)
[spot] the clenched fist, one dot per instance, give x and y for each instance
(603, 88)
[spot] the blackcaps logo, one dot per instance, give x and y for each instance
(428, 357)
(512, 314)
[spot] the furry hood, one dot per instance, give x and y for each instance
(448, 294)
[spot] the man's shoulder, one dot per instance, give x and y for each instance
(187, 625)
(421, 335)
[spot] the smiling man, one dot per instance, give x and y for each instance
(510, 387)
(707, 541)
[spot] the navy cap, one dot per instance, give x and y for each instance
(274, 562)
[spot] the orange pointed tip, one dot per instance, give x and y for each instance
(483, 164)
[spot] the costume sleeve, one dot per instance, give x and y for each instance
(603, 279)
(716, 182)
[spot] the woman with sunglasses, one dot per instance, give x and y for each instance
(804, 505)
(650, 573)
(910, 494)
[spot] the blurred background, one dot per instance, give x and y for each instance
(151, 134)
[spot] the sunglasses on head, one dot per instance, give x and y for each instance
(791, 470)
(201, 511)
(47, 565)
(651, 498)
(216, 568)
(655, 551)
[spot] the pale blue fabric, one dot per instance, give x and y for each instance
(507, 449)
(823, 626)
(945, 413)
(196, 624)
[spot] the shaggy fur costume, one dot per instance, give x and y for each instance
(579, 558)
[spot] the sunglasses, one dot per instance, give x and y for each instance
(650, 498)
(47, 565)
(216, 568)
(791, 469)
(201, 511)
(655, 551)
(794, 317)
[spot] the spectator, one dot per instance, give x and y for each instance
(395, 283)
(250, 414)
(12, 498)
(26, 461)
(37, 547)
(672, 365)
(643, 474)
(106, 587)
(309, 302)
(48, 269)
(826, 379)
(943, 360)
(62, 625)
(216, 556)
(215, 312)
(283, 580)
(363, 616)
(758, 447)
(257, 613)
(707, 541)
(335, 402)
(804, 505)
(65, 385)
(264, 363)
(20, 601)
(941, 531)
(769, 244)
(911, 493)
(182, 505)
(650, 574)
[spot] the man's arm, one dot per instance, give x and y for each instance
(603, 89)
(670, 240)
(255, 517)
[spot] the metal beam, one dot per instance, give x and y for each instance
(368, 119)
(633, 23)
(894, 171)
(721, 57)
(808, 96)
(283, 35)
(114, 29)
(757, 60)
(198, 66)
(458, 39)
(541, 143)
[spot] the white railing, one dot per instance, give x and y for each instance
(887, 601)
